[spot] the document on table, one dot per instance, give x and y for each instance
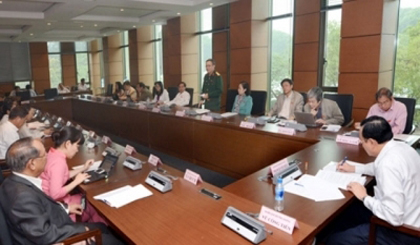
(36, 125)
(340, 179)
(404, 137)
(124, 195)
(94, 166)
(331, 128)
(332, 166)
(228, 114)
(314, 188)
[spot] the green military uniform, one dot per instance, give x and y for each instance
(213, 86)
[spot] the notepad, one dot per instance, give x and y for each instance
(340, 179)
(94, 166)
(332, 166)
(124, 195)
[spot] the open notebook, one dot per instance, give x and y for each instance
(124, 195)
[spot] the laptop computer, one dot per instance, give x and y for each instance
(306, 118)
(104, 169)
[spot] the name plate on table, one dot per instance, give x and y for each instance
(68, 124)
(156, 110)
(92, 134)
(142, 107)
(124, 103)
(278, 220)
(180, 113)
(249, 125)
(347, 140)
(287, 131)
(206, 118)
(129, 150)
(192, 177)
(115, 102)
(244, 225)
(154, 160)
(159, 182)
(106, 140)
(278, 167)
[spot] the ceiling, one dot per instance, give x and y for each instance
(84, 20)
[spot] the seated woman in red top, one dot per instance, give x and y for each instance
(56, 173)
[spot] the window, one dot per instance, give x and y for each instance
(101, 62)
(126, 55)
(281, 55)
(82, 62)
(330, 44)
(22, 84)
(206, 39)
(158, 53)
(54, 60)
(407, 77)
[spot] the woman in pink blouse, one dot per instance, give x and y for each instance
(56, 173)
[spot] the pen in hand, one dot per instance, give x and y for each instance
(344, 160)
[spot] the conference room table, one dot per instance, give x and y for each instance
(226, 147)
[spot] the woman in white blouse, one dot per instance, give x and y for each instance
(160, 95)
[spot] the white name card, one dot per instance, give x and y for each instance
(192, 177)
(154, 160)
(115, 102)
(106, 140)
(249, 125)
(279, 166)
(180, 113)
(142, 107)
(287, 131)
(278, 220)
(156, 110)
(125, 103)
(206, 118)
(129, 149)
(68, 124)
(347, 140)
(92, 134)
(25, 102)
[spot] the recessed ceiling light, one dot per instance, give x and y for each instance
(178, 13)
(31, 34)
(153, 21)
(121, 10)
(81, 26)
(49, 23)
(134, 26)
(118, 30)
(19, 41)
(104, 35)
(1, 2)
(211, 4)
(95, 25)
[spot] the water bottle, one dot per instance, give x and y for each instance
(279, 195)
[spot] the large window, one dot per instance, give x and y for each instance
(54, 59)
(82, 61)
(158, 53)
(407, 74)
(330, 44)
(206, 39)
(281, 45)
(126, 55)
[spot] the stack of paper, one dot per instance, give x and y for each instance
(340, 179)
(202, 111)
(35, 125)
(314, 188)
(124, 195)
(229, 114)
(331, 128)
(94, 166)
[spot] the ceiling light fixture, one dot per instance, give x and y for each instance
(31, 34)
(95, 25)
(178, 13)
(49, 23)
(122, 10)
(81, 26)
(1, 2)
(134, 26)
(211, 4)
(153, 21)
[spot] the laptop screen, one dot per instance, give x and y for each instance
(108, 163)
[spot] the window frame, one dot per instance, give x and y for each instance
(87, 52)
(156, 39)
(122, 48)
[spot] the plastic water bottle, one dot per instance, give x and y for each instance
(279, 195)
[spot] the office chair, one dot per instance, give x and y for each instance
(191, 92)
(410, 104)
(259, 98)
(109, 90)
(345, 102)
(172, 91)
(50, 93)
(230, 99)
(24, 95)
(406, 229)
(305, 97)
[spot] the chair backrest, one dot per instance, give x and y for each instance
(305, 97)
(109, 89)
(191, 92)
(50, 93)
(230, 99)
(172, 91)
(410, 104)
(345, 102)
(259, 98)
(24, 95)
(5, 237)
(74, 88)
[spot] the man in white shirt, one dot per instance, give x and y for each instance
(9, 130)
(82, 86)
(396, 195)
(288, 102)
(183, 97)
(29, 131)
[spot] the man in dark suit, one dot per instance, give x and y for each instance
(32, 216)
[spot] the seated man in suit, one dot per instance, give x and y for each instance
(33, 217)
(288, 102)
(394, 112)
(396, 198)
(9, 131)
(143, 93)
(325, 111)
(182, 98)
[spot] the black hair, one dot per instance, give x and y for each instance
(67, 133)
(28, 86)
(245, 85)
(383, 92)
(127, 83)
(155, 92)
(16, 87)
(119, 86)
(213, 62)
(185, 85)
(18, 111)
(141, 85)
(82, 80)
(377, 128)
(7, 105)
(286, 80)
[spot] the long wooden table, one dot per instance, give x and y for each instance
(220, 145)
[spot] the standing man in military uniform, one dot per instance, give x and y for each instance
(212, 87)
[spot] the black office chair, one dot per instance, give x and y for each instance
(259, 98)
(230, 99)
(191, 92)
(172, 91)
(109, 90)
(73, 88)
(410, 104)
(50, 93)
(305, 97)
(24, 95)
(345, 102)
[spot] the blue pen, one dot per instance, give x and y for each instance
(344, 160)
(298, 184)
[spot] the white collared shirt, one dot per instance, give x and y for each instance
(24, 131)
(397, 192)
(164, 97)
(181, 99)
(8, 136)
(285, 110)
(81, 87)
(4, 119)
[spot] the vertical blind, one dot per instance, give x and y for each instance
(15, 64)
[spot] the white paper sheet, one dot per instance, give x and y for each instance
(339, 179)
(35, 125)
(124, 195)
(94, 166)
(332, 166)
(201, 111)
(228, 114)
(331, 128)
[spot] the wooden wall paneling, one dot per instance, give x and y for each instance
(172, 52)
(132, 47)
(40, 66)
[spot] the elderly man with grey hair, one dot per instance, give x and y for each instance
(33, 217)
(325, 111)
